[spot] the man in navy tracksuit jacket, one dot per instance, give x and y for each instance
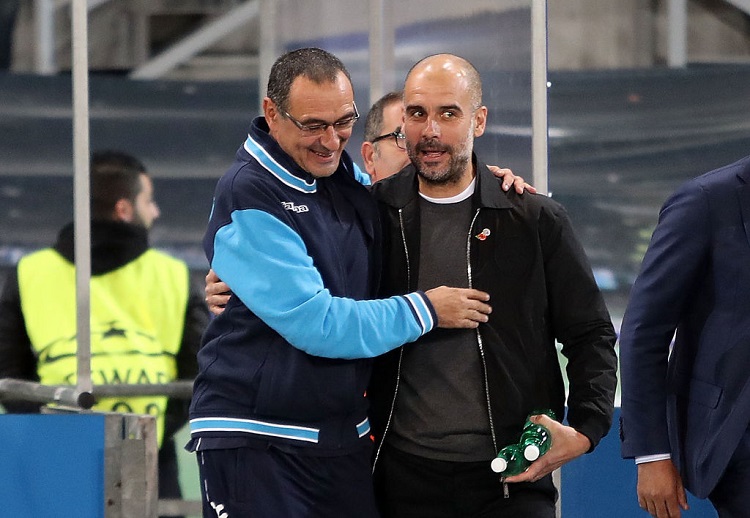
(279, 415)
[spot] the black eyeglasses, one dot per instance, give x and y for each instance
(399, 137)
(316, 129)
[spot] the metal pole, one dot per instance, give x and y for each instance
(382, 49)
(539, 121)
(540, 131)
(377, 88)
(44, 24)
(268, 51)
(81, 191)
(23, 390)
(677, 33)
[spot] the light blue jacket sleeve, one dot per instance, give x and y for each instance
(266, 265)
(361, 176)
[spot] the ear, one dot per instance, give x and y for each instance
(123, 211)
(368, 157)
(270, 110)
(480, 121)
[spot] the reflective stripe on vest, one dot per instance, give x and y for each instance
(137, 320)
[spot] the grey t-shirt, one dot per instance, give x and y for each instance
(441, 411)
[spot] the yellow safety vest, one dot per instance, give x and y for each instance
(137, 321)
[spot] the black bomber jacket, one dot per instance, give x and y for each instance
(541, 290)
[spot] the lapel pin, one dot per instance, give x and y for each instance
(484, 234)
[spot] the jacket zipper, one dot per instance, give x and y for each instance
(401, 349)
(480, 345)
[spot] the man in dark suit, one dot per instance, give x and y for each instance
(685, 415)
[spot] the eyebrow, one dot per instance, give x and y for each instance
(440, 108)
(321, 121)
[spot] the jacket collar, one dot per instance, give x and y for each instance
(267, 152)
(403, 188)
(113, 244)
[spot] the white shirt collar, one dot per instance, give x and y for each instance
(454, 199)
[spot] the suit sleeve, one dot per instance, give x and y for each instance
(674, 259)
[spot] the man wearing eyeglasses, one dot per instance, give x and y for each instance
(279, 415)
(384, 152)
(384, 146)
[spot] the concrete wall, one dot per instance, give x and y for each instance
(717, 32)
(583, 34)
(600, 34)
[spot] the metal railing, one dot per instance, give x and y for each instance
(71, 396)
(35, 393)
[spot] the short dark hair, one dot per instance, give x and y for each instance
(374, 121)
(315, 64)
(114, 175)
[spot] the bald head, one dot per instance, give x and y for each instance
(449, 65)
(443, 114)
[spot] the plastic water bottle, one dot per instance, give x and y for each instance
(509, 461)
(536, 439)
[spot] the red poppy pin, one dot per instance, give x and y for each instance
(484, 234)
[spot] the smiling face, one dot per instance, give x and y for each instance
(313, 103)
(441, 120)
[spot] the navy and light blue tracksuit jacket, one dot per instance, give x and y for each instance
(288, 361)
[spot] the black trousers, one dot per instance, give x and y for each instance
(407, 486)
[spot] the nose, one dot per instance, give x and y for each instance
(156, 211)
(432, 128)
(330, 139)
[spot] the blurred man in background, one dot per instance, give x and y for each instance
(384, 148)
(146, 318)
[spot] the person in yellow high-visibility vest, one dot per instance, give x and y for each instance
(146, 318)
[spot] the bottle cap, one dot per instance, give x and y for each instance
(531, 452)
(498, 465)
